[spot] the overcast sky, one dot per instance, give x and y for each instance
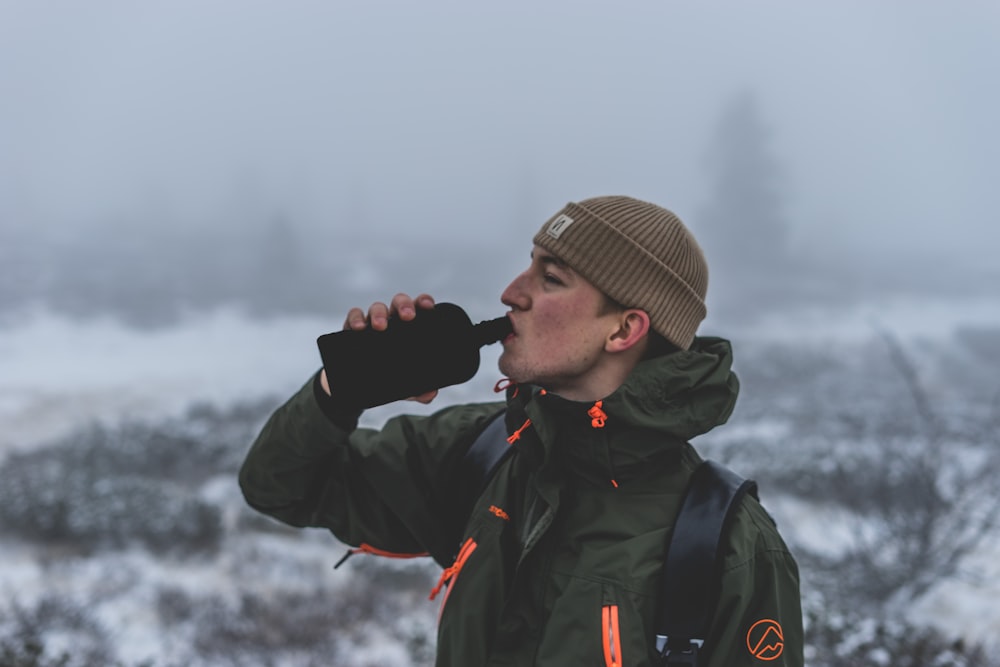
(484, 118)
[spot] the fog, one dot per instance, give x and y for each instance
(393, 136)
(192, 190)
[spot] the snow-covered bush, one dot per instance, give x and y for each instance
(134, 484)
(378, 612)
(55, 632)
(836, 640)
(43, 499)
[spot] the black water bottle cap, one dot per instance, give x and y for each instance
(492, 331)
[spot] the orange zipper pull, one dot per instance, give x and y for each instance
(369, 549)
(597, 415)
(450, 573)
(503, 384)
(350, 552)
(516, 435)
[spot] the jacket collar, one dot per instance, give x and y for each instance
(663, 403)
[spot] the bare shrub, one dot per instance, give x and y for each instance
(263, 629)
(45, 498)
(313, 627)
(54, 633)
(840, 641)
(106, 488)
(924, 501)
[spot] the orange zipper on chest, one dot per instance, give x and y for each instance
(610, 636)
(450, 574)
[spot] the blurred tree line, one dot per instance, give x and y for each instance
(149, 272)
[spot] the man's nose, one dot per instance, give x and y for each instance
(514, 296)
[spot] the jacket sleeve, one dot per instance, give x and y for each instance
(758, 619)
(392, 489)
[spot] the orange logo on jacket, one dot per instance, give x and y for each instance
(766, 639)
(499, 512)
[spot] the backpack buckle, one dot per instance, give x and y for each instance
(678, 652)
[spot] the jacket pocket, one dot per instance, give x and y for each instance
(611, 636)
(595, 622)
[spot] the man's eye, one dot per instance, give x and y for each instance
(549, 278)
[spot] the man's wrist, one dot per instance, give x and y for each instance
(341, 412)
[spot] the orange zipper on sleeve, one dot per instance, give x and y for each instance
(611, 638)
(375, 551)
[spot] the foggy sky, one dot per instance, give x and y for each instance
(479, 120)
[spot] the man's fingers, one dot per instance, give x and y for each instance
(424, 301)
(405, 306)
(424, 398)
(378, 316)
(402, 306)
(355, 320)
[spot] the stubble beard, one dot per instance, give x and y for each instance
(513, 371)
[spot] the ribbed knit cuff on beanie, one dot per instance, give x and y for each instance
(639, 254)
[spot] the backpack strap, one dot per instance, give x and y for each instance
(690, 583)
(481, 460)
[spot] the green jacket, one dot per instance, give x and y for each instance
(557, 562)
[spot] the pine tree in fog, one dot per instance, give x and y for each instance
(743, 228)
(280, 271)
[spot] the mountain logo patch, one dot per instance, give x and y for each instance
(766, 639)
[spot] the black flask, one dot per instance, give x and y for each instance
(437, 348)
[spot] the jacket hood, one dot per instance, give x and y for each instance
(684, 394)
(663, 403)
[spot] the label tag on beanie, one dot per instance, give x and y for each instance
(558, 226)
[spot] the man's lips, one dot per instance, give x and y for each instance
(513, 329)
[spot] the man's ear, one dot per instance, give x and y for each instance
(633, 325)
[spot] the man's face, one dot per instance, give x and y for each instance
(560, 323)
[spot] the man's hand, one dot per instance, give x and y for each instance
(402, 306)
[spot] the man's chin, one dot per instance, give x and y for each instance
(509, 370)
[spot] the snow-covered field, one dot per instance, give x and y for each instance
(58, 375)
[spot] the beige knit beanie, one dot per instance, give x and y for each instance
(637, 253)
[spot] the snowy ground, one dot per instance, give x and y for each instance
(57, 374)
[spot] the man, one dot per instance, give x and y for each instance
(556, 562)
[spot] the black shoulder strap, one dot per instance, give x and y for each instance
(482, 458)
(692, 565)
